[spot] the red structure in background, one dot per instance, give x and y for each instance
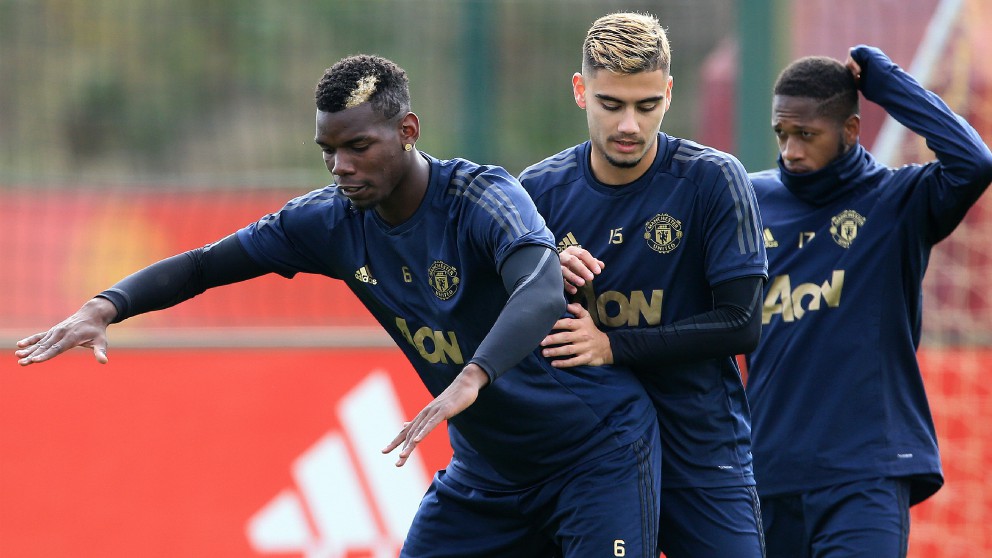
(200, 453)
(65, 245)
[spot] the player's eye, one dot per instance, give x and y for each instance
(612, 107)
(648, 108)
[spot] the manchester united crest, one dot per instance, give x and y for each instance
(443, 278)
(844, 227)
(663, 233)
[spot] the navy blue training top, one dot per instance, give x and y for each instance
(835, 389)
(690, 222)
(433, 284)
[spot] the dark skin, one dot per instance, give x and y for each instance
(373, 168)
(808, 140)
(366, 154)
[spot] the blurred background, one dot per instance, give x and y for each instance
(239, 423)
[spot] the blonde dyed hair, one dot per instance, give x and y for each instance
(626, 43)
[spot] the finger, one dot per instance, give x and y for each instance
(577, 310)
(41, 355)
(39, 343)
(428, 426)
(559, 351)
(577, 360)
(100, 353)
(30, 340)
(408, 446)
(854, 68)
(397, 440)
(593, 265)
(559, 338)
(580, 267)
(49, 346)
(417, 435)
(570, 288)
(571, 277)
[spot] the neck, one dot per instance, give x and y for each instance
(409, 192)
(612, 175)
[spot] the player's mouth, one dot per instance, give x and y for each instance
(352, 190)
(626, 146)
(797, 169)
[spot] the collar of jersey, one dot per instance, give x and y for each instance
(631, 187)
(834, 181)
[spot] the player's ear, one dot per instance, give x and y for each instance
(668, 92)
(852, 130)
(579, 90)
(409, 128)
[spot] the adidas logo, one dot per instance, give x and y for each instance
(566, 241)
(365, 276)
(348, 499)
(770, 241)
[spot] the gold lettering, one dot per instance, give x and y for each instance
(778, 300)
(804, 290)
(588, 295)
(783, 299)
(628, 311)
(441, 348)
(639, 306)
(433, 356)
(618, 319)
(448, 347)
(401, 324)
(831, 292)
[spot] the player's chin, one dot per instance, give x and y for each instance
(624, 161)
(364, 203)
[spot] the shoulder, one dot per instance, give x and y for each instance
(472, 181)
(705, 165)
(561, 168)
(765, 180)
(691, 158)
(322, 204)
(488, 191)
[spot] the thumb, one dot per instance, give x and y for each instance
(101, 354)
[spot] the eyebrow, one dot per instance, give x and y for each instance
(352, 141)
(604, 97)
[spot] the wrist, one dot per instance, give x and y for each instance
(473, 375)
(101, 309)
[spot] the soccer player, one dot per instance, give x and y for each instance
(456, 264)
(661, 239)
(844, 442)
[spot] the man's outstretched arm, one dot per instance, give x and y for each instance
(160, 285)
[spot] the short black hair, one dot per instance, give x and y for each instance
(364, 78)
(822, 78)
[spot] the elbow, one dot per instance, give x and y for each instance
(555, 305)
(748, 336)
(985, 169)
(981, 171)
(750, 341)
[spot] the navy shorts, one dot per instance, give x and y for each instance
(711, 523)
(866, 519)
(607, 506)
